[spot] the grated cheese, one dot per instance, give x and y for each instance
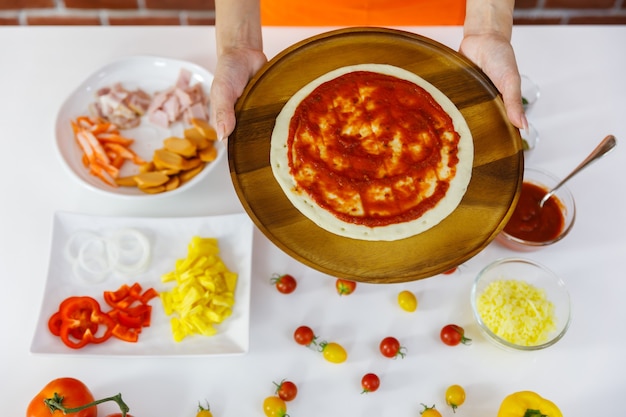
(517, 312)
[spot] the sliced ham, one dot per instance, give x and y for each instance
(196, 111)
(184, 79)
(182, 101)
(123, 107)
(172, 108)
(159, 118)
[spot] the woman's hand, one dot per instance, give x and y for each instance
(234, 69)
(494, 54)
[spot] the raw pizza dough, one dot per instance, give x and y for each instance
(348, 215)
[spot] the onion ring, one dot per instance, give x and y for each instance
(93, 256)
(142, 257)
(71, 253)
(93, 260)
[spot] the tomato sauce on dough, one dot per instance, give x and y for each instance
(532, 222)
(372, 149)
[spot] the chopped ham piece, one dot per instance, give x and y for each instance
(157, 101)
(172, 108)
(121, 106)
(183, 101)
(159, 118)
(184, 97)
(139, 102)
(184, 79)
(196, 111)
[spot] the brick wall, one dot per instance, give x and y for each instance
(574, 12)
(201, 12)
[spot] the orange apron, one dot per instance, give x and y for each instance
(362, 12)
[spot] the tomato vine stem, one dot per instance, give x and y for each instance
(56, 403)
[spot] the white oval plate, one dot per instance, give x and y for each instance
(151, 74)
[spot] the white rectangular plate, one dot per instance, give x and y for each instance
(169, 239)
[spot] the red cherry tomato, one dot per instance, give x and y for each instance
(370, 383)
(286, 390)
(452, 335)
(390, 348)
(285, 284)
(344, 286)
(304, 336)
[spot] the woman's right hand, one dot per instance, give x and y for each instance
(235, 67)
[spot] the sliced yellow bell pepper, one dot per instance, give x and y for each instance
(204, 294)
(528, 404)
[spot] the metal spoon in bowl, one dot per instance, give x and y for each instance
(602, 149)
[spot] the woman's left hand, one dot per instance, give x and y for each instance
(494, 54)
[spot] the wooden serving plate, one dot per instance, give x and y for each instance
(483, 212)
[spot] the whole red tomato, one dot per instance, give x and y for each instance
(74, 394)
(345, 287)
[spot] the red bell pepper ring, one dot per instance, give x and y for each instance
(80, 319)
(54, 323)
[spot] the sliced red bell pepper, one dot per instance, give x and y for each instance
(138, 316)
(125, 333)
(54, 323)
(80, 320)
(125, 296)
(131, 310)
(148, 295)
(119, 299)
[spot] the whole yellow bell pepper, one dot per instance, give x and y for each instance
(528, 404)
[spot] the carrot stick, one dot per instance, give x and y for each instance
(104, 149)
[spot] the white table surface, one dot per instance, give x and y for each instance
(580, 71)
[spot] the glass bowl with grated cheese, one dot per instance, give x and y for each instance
(520, 304)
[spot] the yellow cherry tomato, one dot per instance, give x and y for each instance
(430, 411)
(455, 396)
(204, 412)
(407, 301)
(334, 352)
(274, 406)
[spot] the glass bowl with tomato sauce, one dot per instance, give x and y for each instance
(532, 226)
